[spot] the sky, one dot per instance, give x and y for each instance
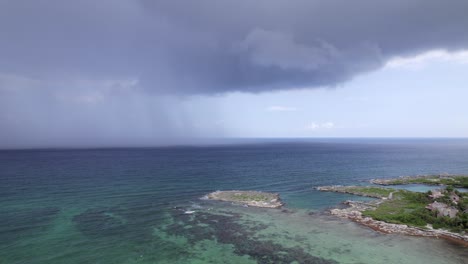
(145, 73)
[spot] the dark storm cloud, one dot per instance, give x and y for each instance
(216, 46)
(113, 72)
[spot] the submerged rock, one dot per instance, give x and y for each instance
(232, 229)
(99, 222)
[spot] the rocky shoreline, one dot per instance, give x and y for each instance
(354, 213)
(248, 198)
(355, 209)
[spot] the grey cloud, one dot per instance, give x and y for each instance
(208, 46)
(276, 49)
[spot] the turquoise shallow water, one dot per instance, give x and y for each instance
(127, 205)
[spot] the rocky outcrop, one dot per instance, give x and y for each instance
(454, 198)
(442, 209)
(436, 194)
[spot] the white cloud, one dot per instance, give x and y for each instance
(328, 125)
(421, 60)
(318, 126)
(312, 126)
(278, 108)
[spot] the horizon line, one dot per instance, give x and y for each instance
(216, 142)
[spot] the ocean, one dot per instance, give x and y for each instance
(126, 205)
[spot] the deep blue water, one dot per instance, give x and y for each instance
(77, 206)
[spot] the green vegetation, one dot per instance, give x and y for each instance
(401, 209)
(409, 208)
(455, 181)
(251, 197)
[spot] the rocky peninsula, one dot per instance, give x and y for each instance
(409, 213)
(368, 191)
(248, 198)
(460, 181)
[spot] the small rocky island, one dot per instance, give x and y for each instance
(437, 213)
(249, 198)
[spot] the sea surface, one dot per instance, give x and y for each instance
(127, 205)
